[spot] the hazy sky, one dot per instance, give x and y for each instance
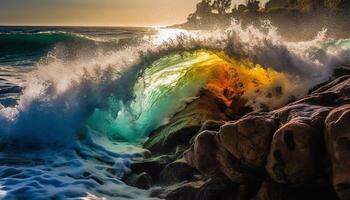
(96, 12)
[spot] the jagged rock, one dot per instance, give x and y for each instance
(248, 139)
(235, 151)
(285, 148)
(310, 114)
(202, 155)
(211, 125)
(342, 71)
(185, 125)
(177, 172)
(295, 152)
(229, 166)
(333, 94)
(337, 137)
(151, 166)
(142, 181)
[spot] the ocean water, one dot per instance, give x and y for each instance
(76, 103)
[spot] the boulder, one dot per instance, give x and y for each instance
(231, 167)
(202, 155)
(295, 153)
(337, 137)
(248, 139)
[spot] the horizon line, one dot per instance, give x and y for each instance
(125, 26)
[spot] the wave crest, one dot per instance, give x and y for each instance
(61, 95)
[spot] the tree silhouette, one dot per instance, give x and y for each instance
(252, 5)
(221, 6)
(204, 9)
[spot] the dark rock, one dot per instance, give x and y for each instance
(181, 191)
(236, 152)
(295, 152)
(186, 192)
(142, 181)
(337, 137)
(214, 190)
(231, 167)
(248, 139)
(202, 155)
(310, 114)
(273, 155)
(210, 190)
(342, 71)
(333, 94)
(177, 172)
(270, 190)
(152, 166)
(211, 125)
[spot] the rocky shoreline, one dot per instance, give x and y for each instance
(211, 152)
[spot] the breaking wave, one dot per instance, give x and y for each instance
(105, 99)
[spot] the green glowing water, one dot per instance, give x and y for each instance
(164, 89)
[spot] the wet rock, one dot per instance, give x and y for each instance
(236, 152)
(211, 125)
(342, 71)
(286, 149)
(151, 166)
(202, 155)
(333, 94)
(295, 152)
(337, 137)
(177, 172)
(142, 181)
(248, 139)
(231, 167)
(313, 115)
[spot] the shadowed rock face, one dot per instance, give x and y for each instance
(287, 146)
(337, 137)
(248, 139)
(294, 152)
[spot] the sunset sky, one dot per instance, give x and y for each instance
(96, 12)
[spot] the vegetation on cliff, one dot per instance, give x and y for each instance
(310, 16)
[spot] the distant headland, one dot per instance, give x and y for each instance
(295, 19)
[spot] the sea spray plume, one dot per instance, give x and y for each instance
(61, 95)
(58, 98)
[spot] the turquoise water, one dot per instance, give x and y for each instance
(76, 103)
